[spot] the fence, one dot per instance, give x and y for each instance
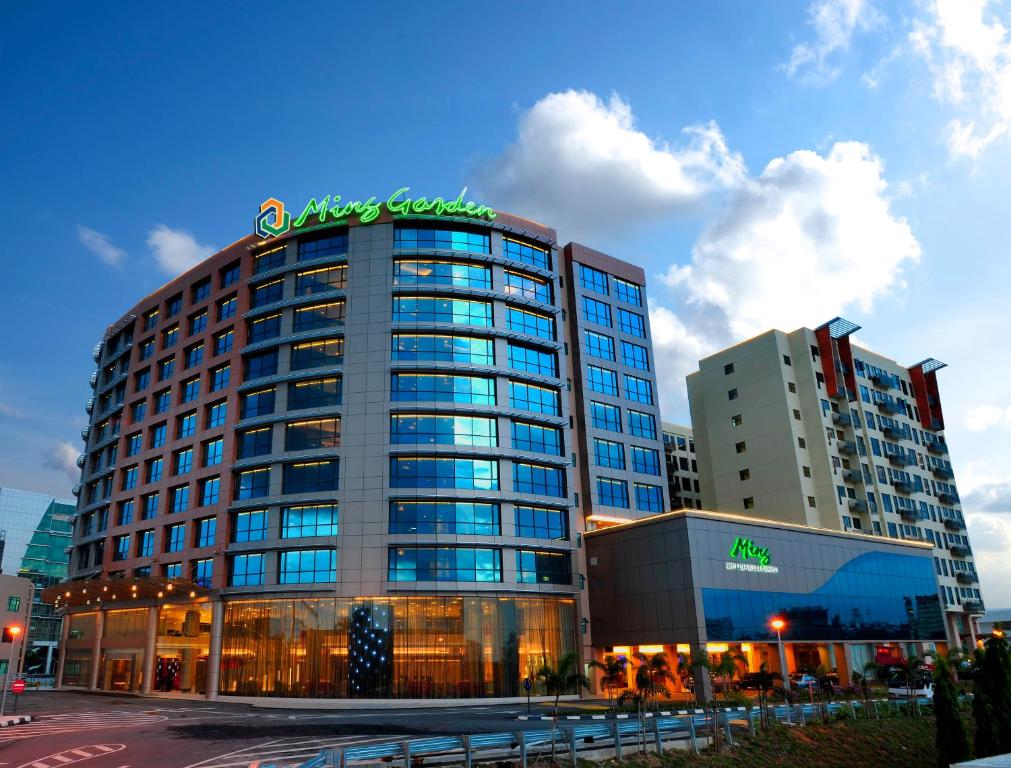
(600, 739)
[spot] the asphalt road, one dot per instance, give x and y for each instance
(114, 731)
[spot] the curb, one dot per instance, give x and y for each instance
(8, 722)
(646, 715)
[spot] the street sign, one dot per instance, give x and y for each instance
(527, 685)
(18, 686)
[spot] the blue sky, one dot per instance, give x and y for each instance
(769, 164)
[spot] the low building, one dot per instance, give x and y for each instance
(15, 610)
(682, 467)
(691, 580)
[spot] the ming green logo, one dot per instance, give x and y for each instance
(746, 549)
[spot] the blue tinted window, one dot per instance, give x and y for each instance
(541, 522)
(413, 347)
(435, 309)
(523, 358)
(596, 311)
(537, 438)
(461, 274)
(543, 567)
(328, 315)
(314, 393)
(444, 564)
(634, 356)
(598, 345)
(632, 323)
(308, 566)
(648, 498)
(645, 460)
(332, 245)
(538, 479)
(431, 429)
(527, 286)
(608, 453)
(612, 493)
(432, 472)
(604, 416)
(442, 239)
(252, 483)
(593, 279)
(641, 424)
(311, 476)
(526, 253)
(250, 526)
(309, 520)
(602, 380)
(530, 397)
(530, 323)
(639, 390)
(260, 365)
(450, 517)
(268, 259)
(434, 387)
(628, 292)
(247, 570)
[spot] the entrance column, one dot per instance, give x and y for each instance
(64, 634)
(96, 649)
(214, 650)
(700, 675)
(150, 648)
(972, 630)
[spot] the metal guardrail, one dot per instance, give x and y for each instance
(612, 738)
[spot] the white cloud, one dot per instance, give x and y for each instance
(968, 52)
(11, 411)
(834, 23)
(101, 246)
(982, 417)
(582, 164)
(62, 457)
(176, 250)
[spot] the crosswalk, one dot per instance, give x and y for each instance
(75, 755)
(284, 753)
(76, 722)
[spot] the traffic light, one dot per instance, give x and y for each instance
(11, 633)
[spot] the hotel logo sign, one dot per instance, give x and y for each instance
(273, 220)
(743, 550)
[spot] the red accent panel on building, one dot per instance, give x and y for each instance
(928, 398)
(827, 352)
(846, 357)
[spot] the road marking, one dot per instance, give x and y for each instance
(82, 753)
(290, 751)
(50, 725)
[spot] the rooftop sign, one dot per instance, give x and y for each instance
(273, 220)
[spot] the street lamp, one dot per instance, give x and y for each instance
(778, 624)
(13, 631)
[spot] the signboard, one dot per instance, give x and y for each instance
(742, 550)
(527, 685)
(273, 220)
(18, 686)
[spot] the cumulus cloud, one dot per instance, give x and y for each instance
(100, 245)
(834, 22)
(62, 457)
(968, 52)
(174, 250)
(9, 410)
(990, 497)
(581, 163)
(982, 417)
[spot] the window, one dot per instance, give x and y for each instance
(230, 275)
(207, 529)
(124, 516)
(472, 518)
(260, 365)
(255, 442)
(593, 279)
(602, 380)
(432, 472)
(435, 347)
(736, 421)
(311, 476)
(166, 368)
(313, 281)
(796, 414)
(146, 349)
(541, 522)
(313, 393)
(169, 336)
(252, 483)
(317, 354)
(149, 506)
(418, 429)
(138, 411)
(740, 447)
(634, 356)
(266, 293)
(175, 537)
(631, 323)
(807, 471)
(141, 379)
(194, 355)
(447, 388)
(134, 444)
(150, 319)
(213, 452)
(460, 274)
(203, 572)
(641, 424)
(201, 291)
(538, 479)
(604, 416)
(530, 323)
(445, 564)
(210, 491)
(247, 570)
(190, 390)
(198, 322)
(732, 394)
(728, 369)
(596, 311)
(749, 502)
(801, 442)
(532, 360)
(791, 387)
(224, 341)
(323, 247)
(308, 566)
(173, 306)
(153, 470)
(537, 438)
(435, 309)
(646, 461)
(13, 604)
(226, 308)
(258, 403)
(250, 526)
(744, 474)
(598, 345)
(216, 414)
(608, 453)
(543, 567)
(264, 328)
(630, 293)
(179, 499)
(786, 360)
(526, 253)
(182, 461)
(309, 520)
(639, 390)
(648, 498)
(312, 434)
(220, 377)
(441, 239)
(530, 397)
(162, 401)
(527, 286)
(269, 259)
(612, 493)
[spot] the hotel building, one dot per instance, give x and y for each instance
(682, 467)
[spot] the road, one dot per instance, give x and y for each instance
(86, 730)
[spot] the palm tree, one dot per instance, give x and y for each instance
(727, 669)
(909, 668)
(653, 674)
(559, 679)
(612, 674)
(765, 681)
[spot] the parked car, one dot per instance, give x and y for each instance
(749, 681)
(804, 681)
(922, 687)
(725, 682)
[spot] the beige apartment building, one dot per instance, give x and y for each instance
(807, 428)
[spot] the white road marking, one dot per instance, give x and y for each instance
(291, 751)
(50, 725)
(82, 754)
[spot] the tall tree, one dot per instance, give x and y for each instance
(612, 674)
(952, 740)
(653, 674)
(991, 702)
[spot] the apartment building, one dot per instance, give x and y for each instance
(683, 486)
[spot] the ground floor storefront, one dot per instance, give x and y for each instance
(425, 647)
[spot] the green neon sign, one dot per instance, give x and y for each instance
(273, 220)
(746, 549)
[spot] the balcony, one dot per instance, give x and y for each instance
(958, 550)
(891, 406)
(942, 472)
(85, 431)
(901, 459)
(973, 606)
(76, 490)
(902, 486)
(847, 447)
(954, 524)
(93, 381)
(80, 460)
(937, 448)
(857, 505)
(852, 476)
(965, 578)
(947, 498)
(96, 352)
(882, 380)
(909, 515)
(891, 431)
(842, 419)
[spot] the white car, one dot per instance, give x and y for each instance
(921, 688)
